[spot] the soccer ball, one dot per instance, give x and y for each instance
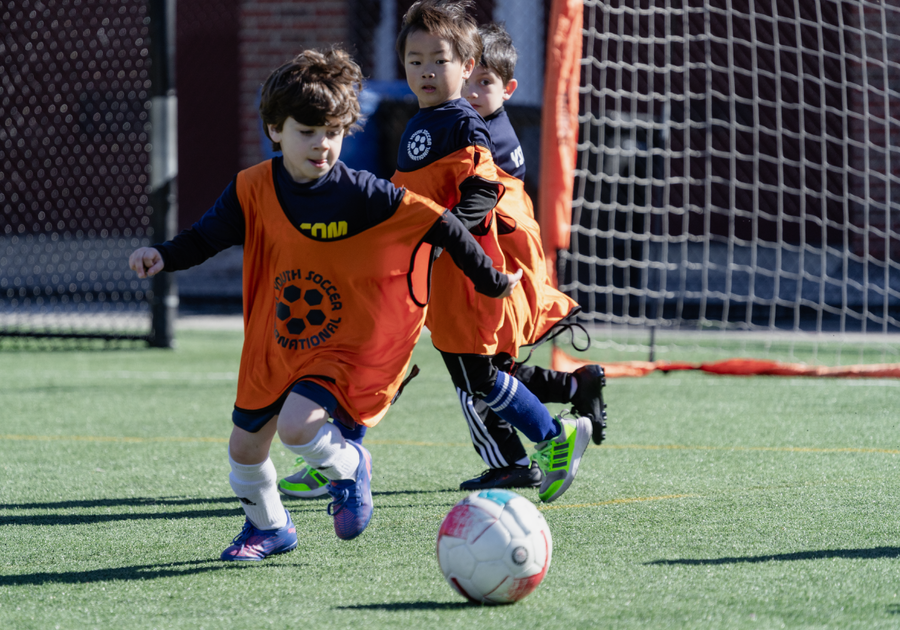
(494, 547)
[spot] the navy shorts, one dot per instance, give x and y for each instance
(253, 421)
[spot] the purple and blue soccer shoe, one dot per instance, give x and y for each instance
(258, 544)
(351, 506)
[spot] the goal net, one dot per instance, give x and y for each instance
(74, 169)
(738, 170)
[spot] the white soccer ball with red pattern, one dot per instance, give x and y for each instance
(494, 547)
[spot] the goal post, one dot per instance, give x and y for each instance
(737, 168)
(163, 165)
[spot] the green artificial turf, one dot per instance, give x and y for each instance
(716, 502)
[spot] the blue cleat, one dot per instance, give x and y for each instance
(351, 506)
(258, 544)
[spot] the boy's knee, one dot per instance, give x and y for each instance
(475, 374)
(249, 448)
(484, 386)
(300, 420)
(293, 430)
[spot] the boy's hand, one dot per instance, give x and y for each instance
(513, 281)
(146, 262)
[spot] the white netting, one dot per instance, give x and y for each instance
(738, 166)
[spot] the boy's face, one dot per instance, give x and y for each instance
(486, 92)
(434, 72)
(309, 152)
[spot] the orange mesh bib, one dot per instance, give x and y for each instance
(336, 312)
(539, 305)
(461, 321)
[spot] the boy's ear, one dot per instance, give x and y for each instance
(468, 67)
(273, 132)
(509, 88)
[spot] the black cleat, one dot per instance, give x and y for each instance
(507, 477)
(588, 398)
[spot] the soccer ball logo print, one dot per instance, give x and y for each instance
(307, 310)
(494, 547)
(419, 144)
(298, 308)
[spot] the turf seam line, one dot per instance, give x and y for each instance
(101, 438)
(776, 449)
(544, 508)
(785, 449)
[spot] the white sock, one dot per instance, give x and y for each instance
(329, 453)
(255, 487)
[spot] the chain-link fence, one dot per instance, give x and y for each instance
(85, 100)
(74, 168)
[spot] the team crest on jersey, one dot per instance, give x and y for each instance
(419, 145)
(307, 309)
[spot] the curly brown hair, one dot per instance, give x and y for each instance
(313, 88)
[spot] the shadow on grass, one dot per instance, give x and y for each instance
(375, 493)
(145, 502)
(296, 506)
(130, 502)
(852, 554)
(387, 493)
(139, 572)
(397, 606)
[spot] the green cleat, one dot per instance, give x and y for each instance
(558, 457)
(306, 483)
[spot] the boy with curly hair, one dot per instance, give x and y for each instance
(333, 297)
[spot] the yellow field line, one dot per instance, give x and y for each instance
(784, 449)
(544, 508)
(414, 443)
(649, 447)
(102, 438)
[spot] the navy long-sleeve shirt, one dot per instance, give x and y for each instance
(507, 151)
(357, 198)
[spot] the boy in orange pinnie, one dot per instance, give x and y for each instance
(445, 155)
(333, 302)
(489, 87)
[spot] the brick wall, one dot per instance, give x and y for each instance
(206, 70)
(271, 32)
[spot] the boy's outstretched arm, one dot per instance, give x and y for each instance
(478, 196)
(449, 233)
(222, 226)
(146, 262)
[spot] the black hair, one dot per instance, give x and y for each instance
(498, 53)
(446, 19)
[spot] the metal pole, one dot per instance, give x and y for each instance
(163, 163)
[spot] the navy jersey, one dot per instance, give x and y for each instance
(507, 151)
(436, 132)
